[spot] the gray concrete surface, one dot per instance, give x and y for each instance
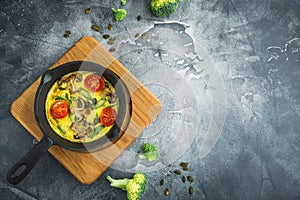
(227, 73)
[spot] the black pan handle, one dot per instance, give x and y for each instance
(19, 171)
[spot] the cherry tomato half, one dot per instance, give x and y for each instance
(59, 109)
(94, 82)
(108, 116)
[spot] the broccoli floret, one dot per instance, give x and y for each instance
(123, 2)
(135, 187)
(162, 8)
(120, 14)
(150, 151)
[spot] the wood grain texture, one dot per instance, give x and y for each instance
(88, 166)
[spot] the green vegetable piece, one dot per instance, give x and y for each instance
(150, 152)
(119, 14)
(96, 131)
(123, 2)
(100, 103)
(85, 93)
(59, 127)
(65, 99)
(162, 8)
(135, 187)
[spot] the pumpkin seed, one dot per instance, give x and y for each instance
(191, 190)
(167, 191)
(88, 10)
(190, 179)
(109, 27)
(139, 17)
(186, 169)
(184, 164)
(183, 179)
(111, 40)
(162, 181)
(68, 32)
(95, 27)
(66, 35)
(178, 172)
(112, 49)
(137, 35)
(144, 35)
(106, 36)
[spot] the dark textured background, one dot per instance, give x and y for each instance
(258, 153)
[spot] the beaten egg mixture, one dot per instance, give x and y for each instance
(86, 100)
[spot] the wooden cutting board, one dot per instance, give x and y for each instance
(88, 166)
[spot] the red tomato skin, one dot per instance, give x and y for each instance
(94, 82)
(59, 109)
(108, 116)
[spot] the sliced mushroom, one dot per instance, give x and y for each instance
(78, 78)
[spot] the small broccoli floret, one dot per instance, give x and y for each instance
(162, 8)
(123, 2)
(120, 14)
(150, 152)
(135, 187)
